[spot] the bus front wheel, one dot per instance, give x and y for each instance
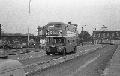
(64, 51)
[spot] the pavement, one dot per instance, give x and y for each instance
(113, 69)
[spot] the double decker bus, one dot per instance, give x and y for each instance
(61, 38)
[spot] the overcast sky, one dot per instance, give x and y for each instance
(14, 15)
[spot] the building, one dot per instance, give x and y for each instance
(41, 31)
(106, 36)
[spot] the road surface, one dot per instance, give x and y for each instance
(91, 64)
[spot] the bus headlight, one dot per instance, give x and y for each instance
(60, 49)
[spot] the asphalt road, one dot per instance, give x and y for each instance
(91, 64)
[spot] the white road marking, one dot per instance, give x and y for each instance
(87, 63)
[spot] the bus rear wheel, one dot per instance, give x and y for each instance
(64, 51)
(48, 53)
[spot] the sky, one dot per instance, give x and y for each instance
(15, 16)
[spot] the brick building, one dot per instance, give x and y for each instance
(106, 36)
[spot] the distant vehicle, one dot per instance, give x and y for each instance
(61, 38)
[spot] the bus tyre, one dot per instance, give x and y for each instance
(48, 53)
(75, 49)
(64, 51)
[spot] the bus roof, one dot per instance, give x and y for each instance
(53, 23)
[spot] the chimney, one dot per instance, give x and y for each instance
(69, 23)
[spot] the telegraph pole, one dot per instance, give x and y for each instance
(0, 31)
(82, 34)
(28, 27)
(28, 37)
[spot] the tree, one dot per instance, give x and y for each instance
(84, 36)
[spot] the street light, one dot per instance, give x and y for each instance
(82, 34)
(29, 5)
(0, 31)
(28, 37)
(28, 27)
(93, 36)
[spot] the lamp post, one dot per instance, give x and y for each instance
(29, 6)
(82, 34)
(28, 37)
(0, 31)
(93, 36)
(28, 27)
